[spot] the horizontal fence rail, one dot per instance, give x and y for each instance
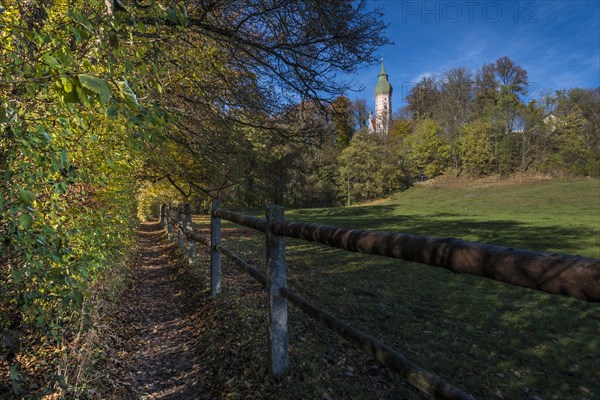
(572, 276)
(259, 224)
(245, 265)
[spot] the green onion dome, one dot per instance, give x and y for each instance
(383, 85)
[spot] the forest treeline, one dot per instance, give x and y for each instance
(461, 122)
(109, 107)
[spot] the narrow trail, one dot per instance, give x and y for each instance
(169, 339)
(162, 356)
(158, 315)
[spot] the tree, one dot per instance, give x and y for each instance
(369, 169)
(361, 115)
(428, 150)
(422, 98)
(571, 153)
(294, 46)
(72, 133)
(400, 130)
(312, 176)
(258, 60)
(534, 138)
(511, 75)
(499, 87)
(587, 103)
(343, 120)
(476, 149)
(486, 90)
(512, 81)
(454, 106)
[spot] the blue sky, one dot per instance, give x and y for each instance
(557, 42)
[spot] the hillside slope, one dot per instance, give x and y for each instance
(554, 216)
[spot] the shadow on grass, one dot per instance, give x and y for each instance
(511, 233)
(491, 339)
(482, 336)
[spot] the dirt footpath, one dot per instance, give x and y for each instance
(154, 353)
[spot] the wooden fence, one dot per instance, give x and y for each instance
(572, 276)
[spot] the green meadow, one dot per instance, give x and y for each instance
(490, 339)
(554, 216)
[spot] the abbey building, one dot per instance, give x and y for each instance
(383, 104)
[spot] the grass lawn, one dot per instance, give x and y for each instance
(490, 339)
(559, 217)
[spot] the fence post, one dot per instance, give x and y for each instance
(187, 212)
(276, 279)
(180, 219)
(167, 218)
(215, 256)
(162, 215)
(169, 224)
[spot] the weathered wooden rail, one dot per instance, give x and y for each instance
(577, 277)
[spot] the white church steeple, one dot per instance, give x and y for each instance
(383, 103)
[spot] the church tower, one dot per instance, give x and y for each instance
(383, 103)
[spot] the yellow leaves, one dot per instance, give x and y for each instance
(67, 84)
(10, 9)
(158, 87)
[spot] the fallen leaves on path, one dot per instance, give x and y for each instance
(171, 340)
